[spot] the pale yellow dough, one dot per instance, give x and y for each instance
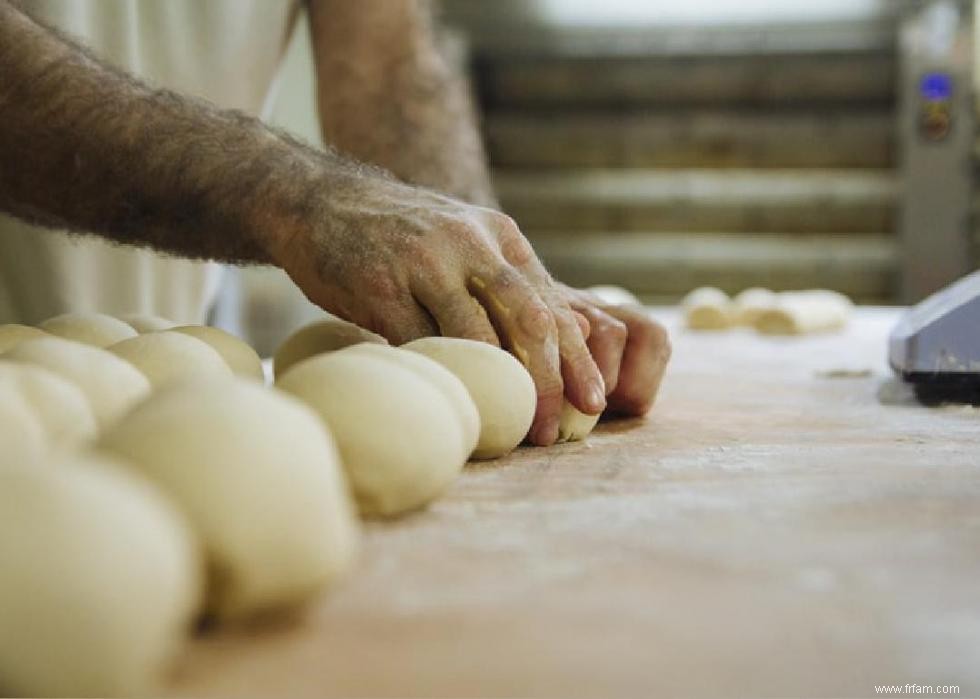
(500, 386)
(59, 404)
(12, 334)
(259, 478)
(101, 579)
(96, 329)
(111, 384)
(803, 312)
(167, 357)
(318, 338)
(147, 323)
(400, 439)
(238, 354)
(708, 308)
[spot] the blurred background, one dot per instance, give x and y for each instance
(663, 146)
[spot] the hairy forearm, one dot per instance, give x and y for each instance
(85, 147)
(391, 93)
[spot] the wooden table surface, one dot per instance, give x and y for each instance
(786, 522)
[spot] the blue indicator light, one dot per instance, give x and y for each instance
(936, 87)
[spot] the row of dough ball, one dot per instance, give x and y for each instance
(769, 312)
(498, 384)
(220, 495)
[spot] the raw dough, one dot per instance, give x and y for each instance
(501, 387)
(614, 295)
(259, 478)
(59, 405)
(96, 329)
(443, 379)
(166, 357)
(707, 308)
(800, 312)
(111, 384)
(13, 334)
(238, 354)
(574, 425)
(21, 431)
(750, 304)
(147, 323)
(401, 442)
(101, 580)
(323, 336)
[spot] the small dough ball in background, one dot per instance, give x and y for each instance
(440, 377)
(96, 329)
(802, 312)
(749, 304)
(317, 338)
(166, 357)
(574, 425)
(400, 439)
(238, 354)
(614, 295)
(111, 384)
(707, 308)
(101, 579)
(60, 405)
(12, 334)
(500, 386)
(258, 477)
(147, 323)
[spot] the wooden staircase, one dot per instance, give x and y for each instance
(707, 162)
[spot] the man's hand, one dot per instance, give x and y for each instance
(408, 263)
(630, 349)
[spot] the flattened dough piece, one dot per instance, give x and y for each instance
(707, 308)
(803, 312)
(574, 425)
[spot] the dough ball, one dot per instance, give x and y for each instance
(166, 357)
(801, 312)
(21, 431)
(574, 425)
(707, 308)
(323, 336)
(101, 580)
(400, 439)
(443, 379)
(500, 386)
(238, 354)
(614, 295)
(111, 384)
(259, 478)
(94, 329)
(13, 334)
(752, 303)
(59, 404)
(147, 323)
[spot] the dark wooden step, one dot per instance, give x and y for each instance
(859, 78)
(663, 265)
(693, 138)
(756, 201)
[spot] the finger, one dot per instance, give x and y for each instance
(645, 359)
(405, 322)
(584, 386)
(457, 313)
(526, 328)
(606, 342)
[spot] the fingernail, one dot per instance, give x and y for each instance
(597, 396)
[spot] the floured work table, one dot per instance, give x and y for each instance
(785, 522)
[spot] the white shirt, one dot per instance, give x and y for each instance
(226, 51)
